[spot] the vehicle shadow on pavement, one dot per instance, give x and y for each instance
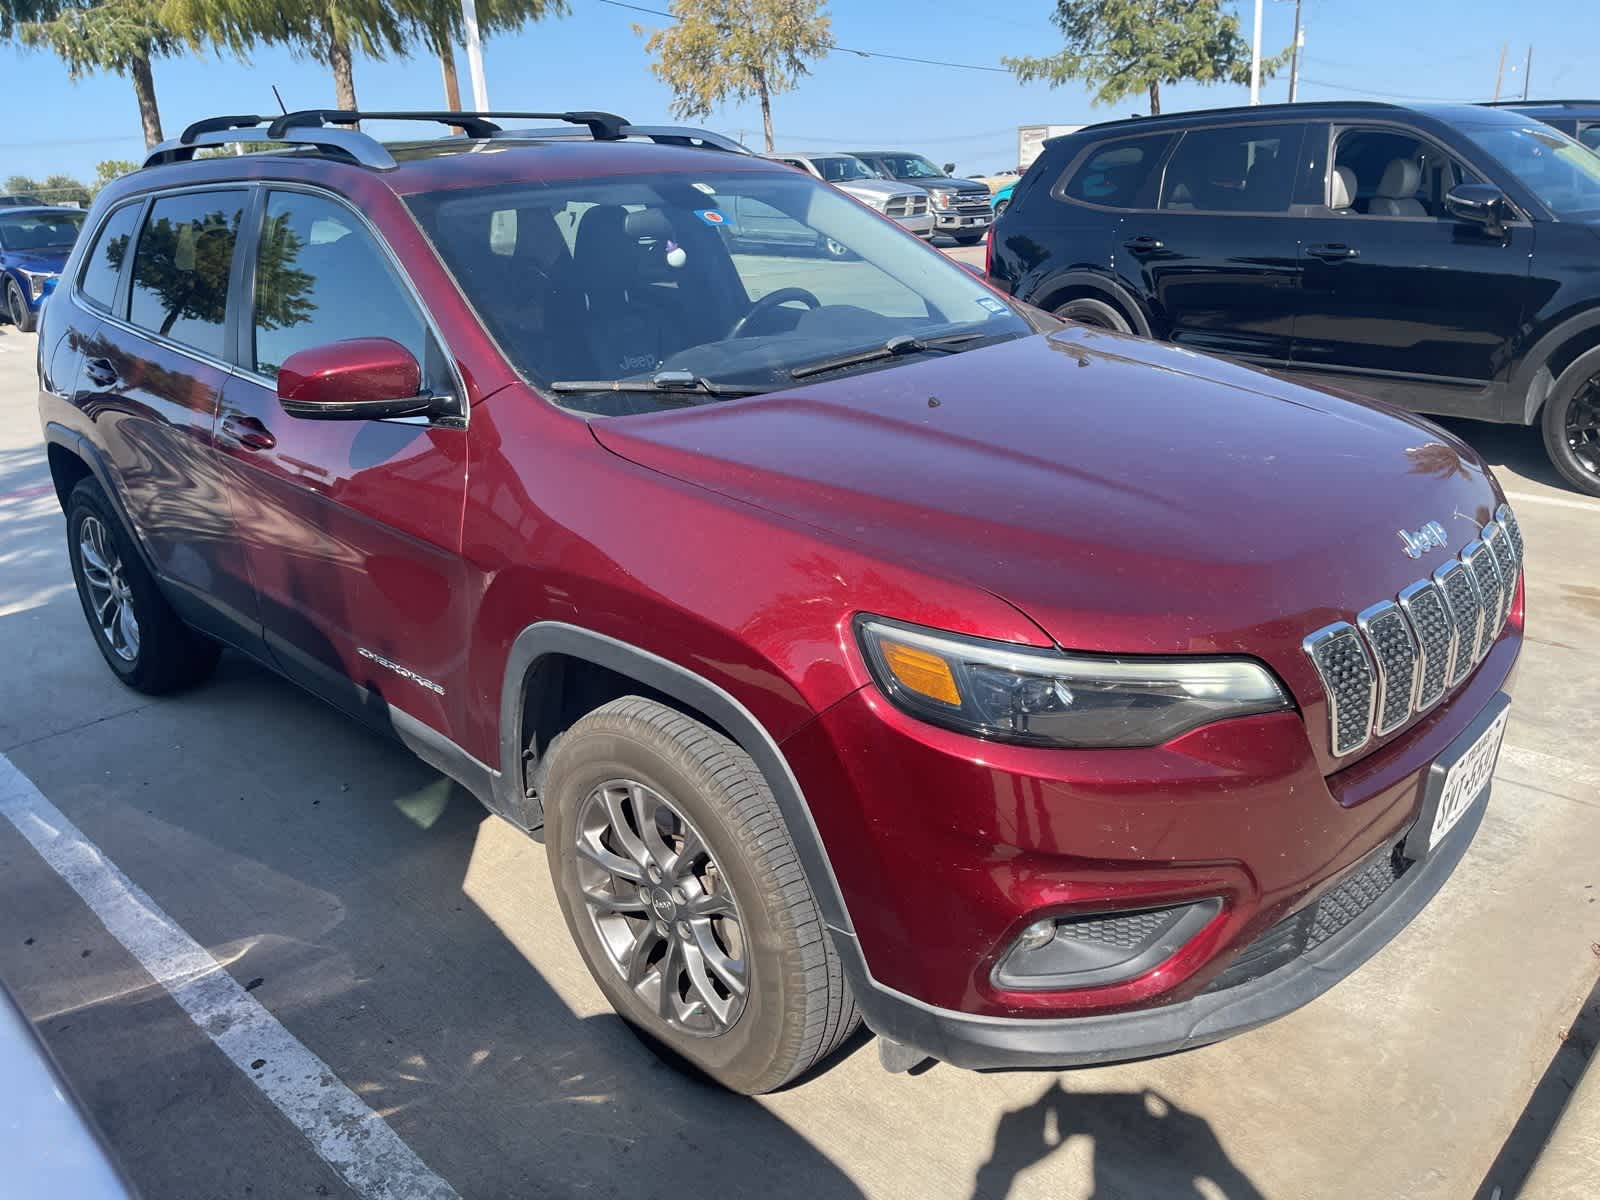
(1142, 1145)
(1517, 447)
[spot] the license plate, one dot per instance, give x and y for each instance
(1468, 779)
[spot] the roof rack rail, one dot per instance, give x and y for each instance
(665, 135)
(603, 126)
(1537, 103)
(228, 131)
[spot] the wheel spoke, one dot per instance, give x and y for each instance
(638, 961)
(695, 963)
(683, 861)
(645, 808)
(612, 902)
(712, 904)
(622, 868)
(715, 958)
(668, 969)
(103, 609)
(128, 624)
(620, 829)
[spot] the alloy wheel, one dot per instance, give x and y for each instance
(110, 597)
(1583, 425)
(17, 305)
(661, 907)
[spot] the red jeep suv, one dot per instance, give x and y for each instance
(866, 645)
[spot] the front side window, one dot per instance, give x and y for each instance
(1391, 173)
(50, 229)
(181, 267)
(102, 266)
(1563, 173)
(736, 277)
(321, 278)
(842, 168)
(1118, 174)
(910, 166)
(1237, 169)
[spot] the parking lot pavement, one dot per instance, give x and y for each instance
(412, 945)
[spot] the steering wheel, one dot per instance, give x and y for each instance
(770, 301)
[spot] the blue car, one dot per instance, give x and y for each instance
(1002, 199)
(34, 244)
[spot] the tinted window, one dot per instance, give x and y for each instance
(321, 278)
(48, 229)
(180, 270)
(103, 264)
(1589, 135)
(1247, 168)
(1115, 175)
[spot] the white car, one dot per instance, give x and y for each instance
(905, 205)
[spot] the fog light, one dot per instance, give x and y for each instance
(1037, 936)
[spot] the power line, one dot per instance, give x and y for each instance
(929, 62)
(1386, 93)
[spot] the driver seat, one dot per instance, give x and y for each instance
(628, 331)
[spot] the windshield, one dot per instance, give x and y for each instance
(1564, 174)
(910, 166)
(54, 230)
(733, 278)
(843, 168)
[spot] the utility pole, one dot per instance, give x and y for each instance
(480, 87)
(1255, 58)
(1294, 54)
(1500, 71)
(1527, 73)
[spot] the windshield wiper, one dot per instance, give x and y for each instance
(661, 381)
(905, 343)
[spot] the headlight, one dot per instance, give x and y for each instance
(878, 202)
(1045, 697)
(36, 281)
(940, 199)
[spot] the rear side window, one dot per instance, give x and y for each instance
(1241, 168)
(181, 268)
(1118, 174)
(1589, 135)
(102, 266)
(321, 278)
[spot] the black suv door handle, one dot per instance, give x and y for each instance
(1144, 244)
(100, 372)
(1333, 251)
(249, 432)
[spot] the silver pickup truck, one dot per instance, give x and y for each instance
(907, 206)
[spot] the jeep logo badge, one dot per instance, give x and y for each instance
(1430, 535)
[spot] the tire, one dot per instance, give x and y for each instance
(634, 755)
(1571, 425)
(17, 310)
(159, 654)
(1001, 207)
(1086, 310)
(967, 239)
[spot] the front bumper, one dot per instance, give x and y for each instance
(945, 851)
(921, 224)
(960, 221)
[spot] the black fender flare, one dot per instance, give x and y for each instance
(697, 693)
(1532, 382)
(57, 434)
(1113, 289)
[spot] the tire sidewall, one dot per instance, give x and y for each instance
(16, 303)
(1086, 310)
(1554, 423)
(744, 1056)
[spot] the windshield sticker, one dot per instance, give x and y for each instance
(710, 216)
(991, 304)
(704, 187)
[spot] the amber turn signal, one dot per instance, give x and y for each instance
(920, 671)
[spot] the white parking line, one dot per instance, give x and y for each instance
(348, 1135)
(1556, 501)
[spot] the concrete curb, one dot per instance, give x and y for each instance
(1569, 1165)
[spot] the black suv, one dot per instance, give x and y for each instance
(1438, 257)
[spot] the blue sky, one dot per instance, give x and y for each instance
(592, 59)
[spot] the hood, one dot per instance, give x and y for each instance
(1128, 496)
(883, 189)
(952, 185)
(40, 262)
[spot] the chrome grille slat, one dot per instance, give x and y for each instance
(1341, 659)
(1394, 653)
(1423, 605)
(1486, 574)
(1403, 656)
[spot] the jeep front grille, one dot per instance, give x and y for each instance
(1401, 656)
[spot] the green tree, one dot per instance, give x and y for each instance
(114, 35)
(64, 189)
(737, 49)
(439, 26)
(1123, 47)
(109, 170)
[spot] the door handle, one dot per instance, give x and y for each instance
(100, 372)
(1144, 244)
(1333, 252)
(248, 432)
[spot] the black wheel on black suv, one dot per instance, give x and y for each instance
(682, 890)
(135, 629)
(1571, 423)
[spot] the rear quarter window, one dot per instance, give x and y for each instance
(102, 266)
(1118, 174)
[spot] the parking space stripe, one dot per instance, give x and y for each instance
(351, 1138)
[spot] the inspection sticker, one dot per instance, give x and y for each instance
(991, 304)
(710, 216)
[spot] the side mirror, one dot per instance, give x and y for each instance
(1478, 204)
(360, 379)
(949, 168)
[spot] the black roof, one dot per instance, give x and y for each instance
(1552, 107)
(1311, 110)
